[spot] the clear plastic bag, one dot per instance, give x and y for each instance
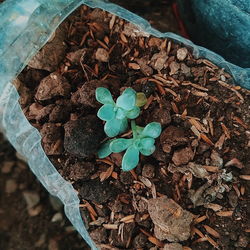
(26, 26)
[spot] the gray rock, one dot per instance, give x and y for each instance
(171, 222)
(182, 54)
(31, 198)
(172, 246)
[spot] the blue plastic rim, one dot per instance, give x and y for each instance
(26, 25)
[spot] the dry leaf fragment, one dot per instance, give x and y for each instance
(105, 175)
(245, 177)
(213, 206)
(155, 241)
(200, 219)
(225, 130)
(134, 66)
(234, 162)
(110, 226)
(211, 231)
(207, 140)
(225, 213)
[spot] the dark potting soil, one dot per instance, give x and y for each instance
(29, 218)
(194, 189)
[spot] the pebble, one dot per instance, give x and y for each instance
(174, 67)
(171, 137)
(34, 211)
(10, 186)
(52, 86)
(182, 54)
(7, 167)
(171, 222)
(31, 198)
(182, 156)
(102, 55)
(148, 171)
(57, 217)
(173, 246)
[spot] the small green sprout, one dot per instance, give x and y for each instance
(142, 142)
(117, 114)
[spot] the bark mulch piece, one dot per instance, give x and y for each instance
(198, 175)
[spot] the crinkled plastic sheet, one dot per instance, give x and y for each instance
(26, 26)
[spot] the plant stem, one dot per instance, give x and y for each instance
(133, 126)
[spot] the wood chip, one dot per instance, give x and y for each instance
(220, 142)
(171, 92)
(123, 38)
(206, 139)
(242, 190)
(211, 231)
(145, 232)
(225, 130)
(236, 189)
(110, 226)
(134, 66)
(245, 177)
(175, 108)
(212, 242)
(112, 22)
(198, 232)
(213, 169)
(127, 218)
(200, 219)
(199, 93)
(239, 121)
(225, 213)
(198, 87)
(156, 241)
(105, 175)
(214, 207)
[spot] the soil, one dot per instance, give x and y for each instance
(194, 190)
(29, 217)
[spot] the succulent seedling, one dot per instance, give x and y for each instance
(116, 114)
(142, 142)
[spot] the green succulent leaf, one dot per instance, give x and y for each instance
(120, 113)
(124, 125)
(130, 158)
(112, 127)
(103, 96)
(127, 99)
(153, 130)
(141, 99)
(133, 113)
(104, 150)
(119, 145)
(106, 112)
(147, 151)
(147, 142)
